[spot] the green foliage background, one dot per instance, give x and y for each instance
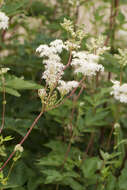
(95, 114)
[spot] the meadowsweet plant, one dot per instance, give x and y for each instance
(63, 94)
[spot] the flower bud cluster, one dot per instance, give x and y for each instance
(69, 27)
(75, 36)
(96, 45)
(122, 57)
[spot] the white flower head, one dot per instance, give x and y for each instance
(45, 50)
(119, 91)
(54, 47)
(4, 70)
(116, 125)
(86, 63)
(3, 20)
(58, 45)
(19, 148)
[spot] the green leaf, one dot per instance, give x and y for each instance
(123, 179)
(73, 184)
(52, 176)
(20, 84)
(34, 182)
(111, 183)
(18, 125)
(18, 176)
(10, 91)
(90, 166)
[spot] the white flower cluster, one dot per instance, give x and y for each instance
(86, 63)
(119, 91)
(65, 87)
(4, 70)
(3, 21)
(53, 66)
(42, 93)
(55, 47)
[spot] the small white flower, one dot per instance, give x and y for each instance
(19, 148)
(119, 91)
(116, 125)
(3, 20)
(81, 104)
(42, 92)
(4, 70)
(65, 87)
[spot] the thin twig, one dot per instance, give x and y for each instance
(73, 109)
(110, 136)
(24, 138)
(88, 146)
(3, 105)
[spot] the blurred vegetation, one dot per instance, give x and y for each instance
(92, 162)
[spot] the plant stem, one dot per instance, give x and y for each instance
(110, 136)
(22, 141)
(121, 75)
(88, 146)
(3, 105)
(73, 109)
(10, 169)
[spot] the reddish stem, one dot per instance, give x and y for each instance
(22, 141)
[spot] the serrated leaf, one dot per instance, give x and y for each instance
(20, 84)
(18, 125)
